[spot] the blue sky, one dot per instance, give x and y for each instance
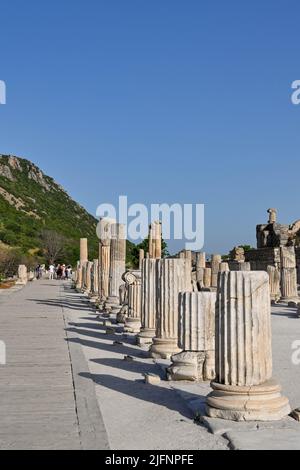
(161, 100)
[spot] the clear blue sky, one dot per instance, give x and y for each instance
(162, 100)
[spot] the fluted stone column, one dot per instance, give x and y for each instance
(83, 250)
(150, 272)
(174, 277)
(223, 267)
(117, 261)
(288, 274)
(78, 276)
(141, 257)
(94, 294)
(104, 256)
(196, 338)
(244, 389)
(215, 263)
(274, 279)
(133, 318)
(200, 266)
(88, 277)
(207, 277)
(155, 240)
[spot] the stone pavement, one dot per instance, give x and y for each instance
(38, 409)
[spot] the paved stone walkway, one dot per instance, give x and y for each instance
(38, 409)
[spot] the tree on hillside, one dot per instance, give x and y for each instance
(53, 245)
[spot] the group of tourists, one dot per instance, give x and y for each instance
(61, 271)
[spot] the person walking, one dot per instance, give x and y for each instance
(51, 271)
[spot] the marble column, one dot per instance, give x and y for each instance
(155, 240)
(244, 389)
(117, 261)
(196, 338)
(223, 267)
(94, 294)
(207, 277)
(88, 277)
(174, 277)
(215, 263)
(274, 279)
(83, 250)
(200, 266)
(150, 270)
(289, 290)
(104, 256)
(134, 285)
(78, 276)
(141, 257)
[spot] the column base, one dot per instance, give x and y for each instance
(262, 402)
(132, 325)
(196, 366)
(164, 348)
(145, 336)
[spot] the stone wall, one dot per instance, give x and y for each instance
(261, 258)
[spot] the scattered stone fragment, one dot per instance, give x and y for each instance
(152, 379)
(115, 343)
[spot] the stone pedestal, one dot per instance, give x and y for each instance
(150, 270)
(117, 261)
(22, 275)
(133, 318)
(244, 389)
(174, 277)
(289, 291)
(196, 338)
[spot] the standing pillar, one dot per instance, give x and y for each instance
(22, 275)
(196, 338)
(200, 266)
(134, 285)
(88, 277)
(207, 277)
(141, 257)
(174, 277)
(289, 292)
(150, 268)
(83, 250)
(104, 256)
(244, 389)
(95, 279)
(117, 261)
(155, 240)
(215, 263)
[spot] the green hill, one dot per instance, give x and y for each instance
(31, 202)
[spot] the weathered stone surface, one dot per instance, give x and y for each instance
(207, 277)
(288, 274)
(174, 277)
(117, 261)
(134, 286)
(22, 275)
(215, 263)
(83, 250)
(150, 272)
(244, 388)
(155, 240)
(196, 338)
(274, 279)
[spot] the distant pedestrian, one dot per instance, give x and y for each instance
(51, 271)
(38, 271)
(59, 271)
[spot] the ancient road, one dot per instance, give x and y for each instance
(66, 384)
(48, 401)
